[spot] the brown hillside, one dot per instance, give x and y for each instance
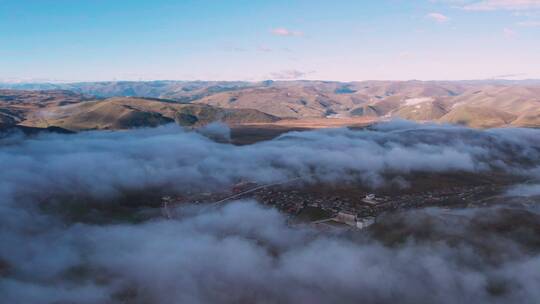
(126, 112)
(478, 117)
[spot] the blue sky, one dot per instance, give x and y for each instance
(83, 40)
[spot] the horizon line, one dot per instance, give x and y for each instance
(60, 82)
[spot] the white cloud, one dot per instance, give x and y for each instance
(492, 5)
(287, 75)
(232, 48)
(264, 48)
(510, 76)
(281, 31)
(509, 33)
(529, 23)
(438, 17)
(406, 55)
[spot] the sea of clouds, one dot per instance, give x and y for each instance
(246, 253)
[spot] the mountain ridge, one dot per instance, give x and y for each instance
(481, 104)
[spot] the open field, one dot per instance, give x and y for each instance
(249, 133)
(315, 123)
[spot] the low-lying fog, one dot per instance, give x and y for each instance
(245, 253)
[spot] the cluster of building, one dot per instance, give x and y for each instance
(350, 211)
(343, 208)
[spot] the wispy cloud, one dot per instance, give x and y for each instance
(509, 76)
(287, 75)
(531, 23)
(264, 48)
(405, 55)
(438, 17)
(233, 48)
(509, 33)
(281, 31)
(492, 5)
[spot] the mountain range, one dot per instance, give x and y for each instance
(122, 105)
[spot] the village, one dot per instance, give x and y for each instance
(352, 209)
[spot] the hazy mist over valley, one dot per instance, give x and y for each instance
(270, 152)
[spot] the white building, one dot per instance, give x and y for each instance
(370, 199)
(362, 223)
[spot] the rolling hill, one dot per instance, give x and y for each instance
(128, 112)
(478, 105)
(16, 105)
(481, 104)
(478, 117)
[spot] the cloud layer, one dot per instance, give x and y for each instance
(244, 253)
(104, 163)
